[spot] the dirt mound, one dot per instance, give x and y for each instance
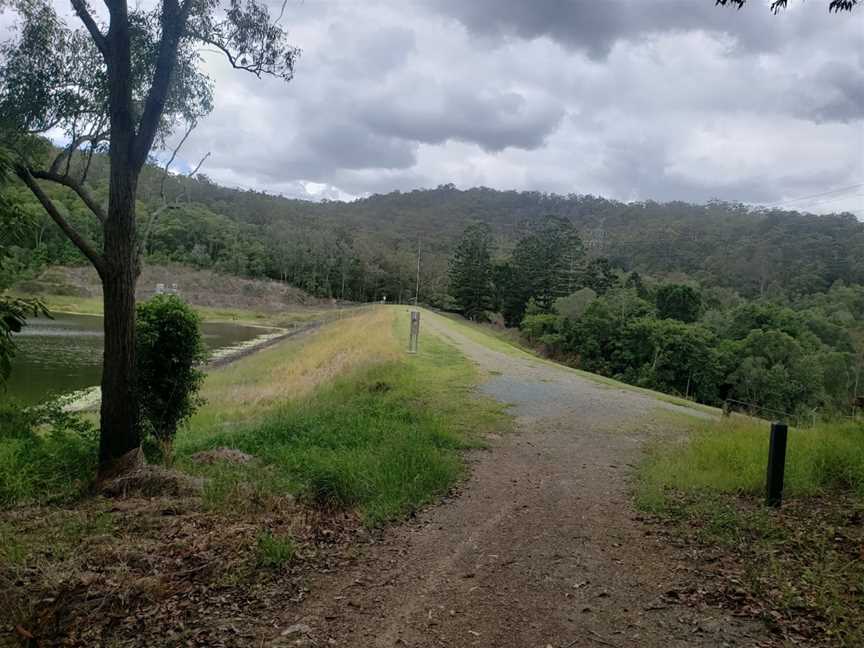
(152, 481)
(228, 455)
(198, 287)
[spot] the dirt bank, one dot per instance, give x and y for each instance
(199, 287)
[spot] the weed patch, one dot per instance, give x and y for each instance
(274, 550)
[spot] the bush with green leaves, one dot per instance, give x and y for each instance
(170, 354)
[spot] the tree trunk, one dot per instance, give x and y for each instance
(119, 440)
(119, 414)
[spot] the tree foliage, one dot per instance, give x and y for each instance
(14, 312)
(678, 301)
(776, 6)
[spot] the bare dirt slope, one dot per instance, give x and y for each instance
(198, 287)
(542, 548)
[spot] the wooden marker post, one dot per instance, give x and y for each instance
(415, 332)
(776, 464)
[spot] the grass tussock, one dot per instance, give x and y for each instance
(275, 550)
(383, 438)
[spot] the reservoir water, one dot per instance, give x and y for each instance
(64, 354)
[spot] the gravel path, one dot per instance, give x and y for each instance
(542, 548)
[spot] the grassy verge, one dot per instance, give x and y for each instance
(382, 438)
(802, 567)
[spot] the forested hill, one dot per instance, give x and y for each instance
(364, 249)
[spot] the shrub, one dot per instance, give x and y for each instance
(536, 327)
(170, 350)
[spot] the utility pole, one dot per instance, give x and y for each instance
(417, 293)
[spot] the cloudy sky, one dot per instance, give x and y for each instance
(632, 99)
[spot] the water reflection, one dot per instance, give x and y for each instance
(64, 354)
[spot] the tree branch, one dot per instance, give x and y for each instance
(86, 247)
(81, 190)
(174, 19)
(73, 146)
(194, 171)
(99, 39)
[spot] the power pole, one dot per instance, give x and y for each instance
(417, 293)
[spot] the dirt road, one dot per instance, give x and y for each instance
(542, 548)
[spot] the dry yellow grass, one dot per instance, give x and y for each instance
(292, 369)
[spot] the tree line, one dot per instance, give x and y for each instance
(366, 249)
(783, 356)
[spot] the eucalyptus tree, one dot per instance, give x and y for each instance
(121, 82)
(834, 6)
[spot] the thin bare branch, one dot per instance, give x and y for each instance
(86, 197)
(87, 164)
(194, 171)
(142, 244)
(87, 248)
(281, 12)
(254, 69)
(173, 157)
(66, 153)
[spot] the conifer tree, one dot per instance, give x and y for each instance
(471, 271)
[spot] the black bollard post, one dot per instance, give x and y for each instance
(776, 464)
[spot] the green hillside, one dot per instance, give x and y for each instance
(367, 248)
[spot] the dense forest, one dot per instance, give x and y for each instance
(791, 356)
(365, 249)
(714, 302)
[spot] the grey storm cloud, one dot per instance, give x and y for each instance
(595, 26)
(493, 120)
(661, 99)
(348, 146)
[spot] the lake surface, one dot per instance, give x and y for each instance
(65, 354)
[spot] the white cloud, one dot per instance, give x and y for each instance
(682, 100)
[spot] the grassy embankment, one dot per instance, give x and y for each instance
(801, 567)
(342, 418)
(379, 432)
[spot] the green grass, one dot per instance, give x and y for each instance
(730, 456)
(383, 439)
(803, 563)
(275, 550)
(46, 455)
